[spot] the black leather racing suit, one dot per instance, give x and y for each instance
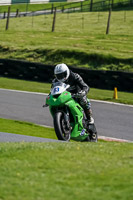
(76, 86)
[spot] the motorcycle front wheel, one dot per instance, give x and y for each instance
(61, 129)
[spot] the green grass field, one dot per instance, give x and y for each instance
(26, 128)
(52, 171)
(79, 39)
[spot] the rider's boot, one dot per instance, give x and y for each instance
(88, 113)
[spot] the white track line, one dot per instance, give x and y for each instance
(20, 91)
(113, 103)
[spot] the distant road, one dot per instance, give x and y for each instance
(39, 12)
(35, 13)
(111, 120)
(26, 14)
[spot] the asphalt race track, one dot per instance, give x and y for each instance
(111, 120)
(10, 137)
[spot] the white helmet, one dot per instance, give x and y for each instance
(61, 72)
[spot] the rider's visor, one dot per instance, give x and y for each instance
(61, 75)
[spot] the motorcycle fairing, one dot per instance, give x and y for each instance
(78, 132)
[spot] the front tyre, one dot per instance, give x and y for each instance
(61, 129)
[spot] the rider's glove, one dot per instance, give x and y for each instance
(80, 94)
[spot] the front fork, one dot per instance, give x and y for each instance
(65, 112)
(67, 118)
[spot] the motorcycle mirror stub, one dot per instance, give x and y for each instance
(67, 86)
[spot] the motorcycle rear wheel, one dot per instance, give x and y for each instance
(61, 130)
(93, 137)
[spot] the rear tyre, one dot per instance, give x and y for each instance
(93, 137)
(93, 133)
(61, 130)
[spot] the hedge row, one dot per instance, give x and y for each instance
(44, 73)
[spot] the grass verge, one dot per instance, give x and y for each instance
(26, 128)
(106, 95)
(50, 171)
(29, 7)
(79, 39)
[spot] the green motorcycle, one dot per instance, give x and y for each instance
(69, 118)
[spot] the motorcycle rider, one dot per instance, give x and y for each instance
(77, 87)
